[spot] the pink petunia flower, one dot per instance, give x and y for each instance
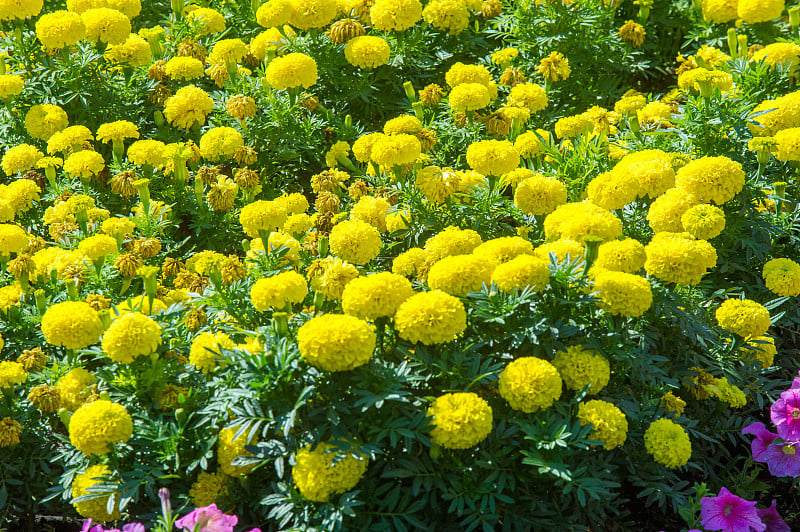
(207, 519)
(730, 513)
(782, 459)
(763, 439)
(785, 414)
(771, 518)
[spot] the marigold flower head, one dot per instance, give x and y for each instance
(355, 241)
(743, 317)
(106, 25)
(395, 150)
(451, 16)
(554, 67)
(60, 29)
(333, 276)
(524, 271)
(95, 425)
(785, 53)
(73, 324)
(677, 258)
(367, 51)
(632, 33)
(131, 336)
(279, 291)
(613, 190)
(717, 179)
(206, 350)
(318, 477)
(452, 241)
(11, 374)
(291, 71)
(430, 318)
(720, 11)
(469, 97)
(208, 489)
(229, 448)
(460, 73)
(609, 422)
(492, 157)
(20, 159)
(43, 120)
(460, 420)
(95, 508)
(189, 106)
(576, 221)
(530, 384)
(394, 15)
(668, 443)
(460, 275)
(74, 388)
(336, 342)
(274, 13)
(10, 85)
(528, 95)
(666, 212)
(134, 52)
(782, 277)
(579, 366)
(220, 143)
(703, 221)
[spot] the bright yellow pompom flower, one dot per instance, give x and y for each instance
(131, 336)
(460, 420)
(291, 71)
(96, 425)
(72, 324)
(279, 291)
(430, 318)
(668, 442)
(336, 342)
(530, 384)
(317, 477)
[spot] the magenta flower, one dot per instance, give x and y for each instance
(782, 459)
(730, 513)
(769, 516)
(763, 439)
(785, 413)
(207, 519)
(87, 527)
(796, 381)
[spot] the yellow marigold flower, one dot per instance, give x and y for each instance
(504, 57)
(375, 296)
(395, 150)
(220, 143)
(228, 50)
(576, 221)
(117, 131)
(717, 179)
(274, 13)
(492, 157)
(452, 241)
(782, 277)
(703, 221)
(206, 351)
(307, 14)
(10, 431)
(720, 11)
(228, 449)
(554, 67)
(530, 384)
(677, 258)
(118, 226)
(460, 73)
(73, 324)
(95, 425)
(291, 71)
(355, 241)
(431, 95)
(43, 120)
(20, 9)
(530, 144)
(335, 274)
(10, 297)
(632, 33)
(279, 291)
(609, 423)
(131, 336)
(781, 113)
(318, 477)
(777, 53)
(146, 152)
(504, 249)
(294, 203)
(673, 403)
(430, 318)
(96, 508)
(668, 442)
(106, 25)
(98, 246)
(208, 489)
(189, 106)
(134, 52)
(367, 51)
(240, 106)
(336, 342)
(407, 124)
(622, 294)
(408, 262)
(270, 40)
(667, 210)
(208, 21)
(395, 15)
(613, 190)
(337, 151)
(60, 29)
(20, 159)
(626, 255)
(579, 367)
(653, 170)
(10, 85)
(362, 147)
(469, 96)
(729, 393)
(184, 68)
(31, 359)
(451, 16)
(437, 184)
(74, 388)
(262, 216)
(522, 272)
(131, 8)
(460, 420)
(12, 374)
(787, 146)
(743, 317)
(459, 275)
(573, 126)
(528, 95)
(84, 163)
(371, 210)
(630, 104)
(760, 349)
(654, 113)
